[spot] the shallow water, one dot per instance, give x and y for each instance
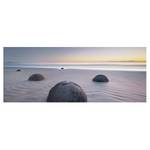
(103, 66)
(124, 86)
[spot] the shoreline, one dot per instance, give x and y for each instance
(88, 69)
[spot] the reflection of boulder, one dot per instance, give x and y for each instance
(18, 70)
(100, 78)
(36, 77)
(66, 92)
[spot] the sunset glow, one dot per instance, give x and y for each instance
(74, 55)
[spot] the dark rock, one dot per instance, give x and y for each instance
(66, 92)
(100, 78)
(18, 70)
(36, 77)
(62, 68)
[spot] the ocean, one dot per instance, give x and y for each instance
(103, 66)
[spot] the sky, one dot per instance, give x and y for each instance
(48, 55)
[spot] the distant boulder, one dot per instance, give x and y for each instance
(62, 68)
(18, 70)
(36, 77)
(66, 92)
(100, 78)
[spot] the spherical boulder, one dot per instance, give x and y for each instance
(66, 92)
(36, 77)
(100, 78)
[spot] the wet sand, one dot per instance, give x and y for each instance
(124, 86)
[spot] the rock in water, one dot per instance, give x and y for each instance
(100, 78)
(18, 70)
(36, 77)
(66, 92)
(62, 68)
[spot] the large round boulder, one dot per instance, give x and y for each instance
(36, 77)
(100, 78)
(66, 92)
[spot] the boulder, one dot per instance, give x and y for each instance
(36, 77)
(66, 92)
(62, 68)
(100, 78)
(18, 70)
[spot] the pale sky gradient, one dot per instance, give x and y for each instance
(24, 55)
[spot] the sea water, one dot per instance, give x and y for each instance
(103, 66)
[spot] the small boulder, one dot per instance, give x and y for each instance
(18, 70)
(62, 68)
(100, 78)
(36, 77)
(66, 92)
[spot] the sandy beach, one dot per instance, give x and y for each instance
(124, 86)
